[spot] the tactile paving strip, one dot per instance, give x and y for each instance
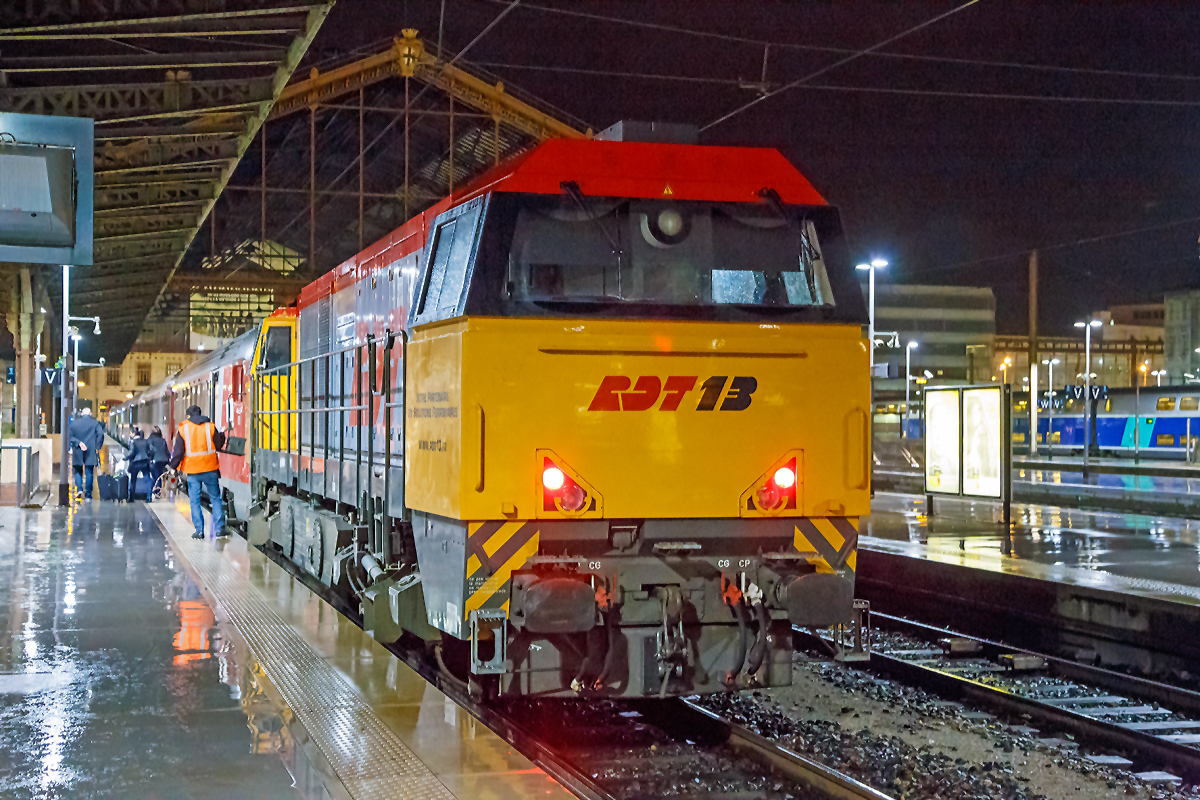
(369, 760)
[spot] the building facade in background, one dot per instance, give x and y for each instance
(952, 326)
(1182, 322)
(101, 388)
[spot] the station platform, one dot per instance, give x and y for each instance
(137, 662)
(1095, 585)
(1142, 554)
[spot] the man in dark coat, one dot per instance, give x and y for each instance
(139, 462)
(160, 454)
(87, 439)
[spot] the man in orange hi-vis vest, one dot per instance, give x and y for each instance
(197, 441)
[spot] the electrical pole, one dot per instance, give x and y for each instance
(66, 399)
(1033, 352)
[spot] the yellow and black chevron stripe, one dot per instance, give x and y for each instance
(494, 551)
(833, 539)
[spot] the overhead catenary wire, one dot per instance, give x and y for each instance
(1014, 96)
(1058, 246)
(750, 41)
(840, 62)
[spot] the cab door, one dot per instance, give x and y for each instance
(274, 379)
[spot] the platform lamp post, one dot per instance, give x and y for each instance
(1087, 400)
(907, 380)
(1158, 376)
(1049, 362)
(877, 263)
(1137, 410)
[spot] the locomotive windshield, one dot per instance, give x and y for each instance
(572, 248)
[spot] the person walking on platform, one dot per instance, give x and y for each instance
(195, 452)
(139, 462)
(87, 439)
(160, 454)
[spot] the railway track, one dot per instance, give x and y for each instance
(1153, 725)
(632, 749)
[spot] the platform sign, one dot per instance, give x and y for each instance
(943, 440)
(968, 441)
(46, 177)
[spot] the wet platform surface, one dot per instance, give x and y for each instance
(138, 664)
(115, 680)
(1140, 554)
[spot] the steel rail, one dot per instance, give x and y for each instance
(813, 774)
(578, 778)
(1141, 746)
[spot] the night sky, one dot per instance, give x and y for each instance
(949, 188)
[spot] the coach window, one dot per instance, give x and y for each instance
(1165, 404)
(1189, 403)
(277, 350)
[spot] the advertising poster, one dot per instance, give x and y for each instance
(981, 442)
(941, 441)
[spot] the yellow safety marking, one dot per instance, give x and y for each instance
(504, 606)
(801, 542)
(852, 560)
(853, 522)
(502, 576)
(831, 534)
(498, 540)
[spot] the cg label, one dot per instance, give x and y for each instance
(622, 393)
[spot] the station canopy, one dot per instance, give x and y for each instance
(234, 163)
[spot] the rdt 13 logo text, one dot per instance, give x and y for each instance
(620, 393)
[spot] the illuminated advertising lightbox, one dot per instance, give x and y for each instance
(942, 440)
(981, 450)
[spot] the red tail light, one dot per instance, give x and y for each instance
(553, 478)
(558, 486)
(779, 490)
(785, 477)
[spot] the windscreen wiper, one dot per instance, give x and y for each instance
(575, 193)
(776, 204)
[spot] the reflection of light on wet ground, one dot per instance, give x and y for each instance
(1143, 548)
(95, 702)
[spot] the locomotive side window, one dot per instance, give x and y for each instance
(1189, 403)
(277, 349)
(580, 249)
(1165, 404)
(452, 248)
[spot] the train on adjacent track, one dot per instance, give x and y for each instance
(1155, 421)
(597, 423)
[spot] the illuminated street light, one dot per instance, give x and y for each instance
(1050, 406)
(1087, 402)
(870, 268)
(1158, 375)
(907, 377)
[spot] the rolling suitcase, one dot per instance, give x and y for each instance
(107, 486)
(123, 488)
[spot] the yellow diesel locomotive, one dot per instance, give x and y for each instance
(598, 423)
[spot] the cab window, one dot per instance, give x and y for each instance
(277, 348)
(1189, 403)
(1165, 404)
(627, 250)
